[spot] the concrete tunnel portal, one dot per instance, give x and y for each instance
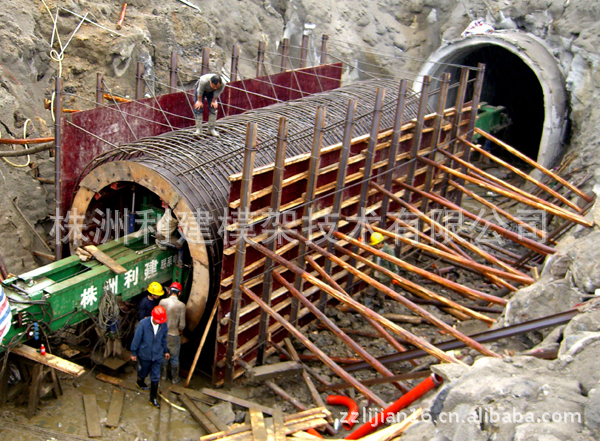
(520, 74)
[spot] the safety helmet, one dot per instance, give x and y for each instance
(177, 286)
(159, 314)
(156, 289)
(376, 238)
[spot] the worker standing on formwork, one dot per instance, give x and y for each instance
(149, 345)
(176, 323)
(209, 87)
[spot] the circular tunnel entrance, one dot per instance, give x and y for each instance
(522, 76)
(510, 83)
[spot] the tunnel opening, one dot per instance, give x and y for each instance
(510, 83)
(523, 77)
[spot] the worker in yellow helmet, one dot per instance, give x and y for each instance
(149, 301)
(377, 240)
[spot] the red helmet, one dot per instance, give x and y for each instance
(177, 286)
(159, 314)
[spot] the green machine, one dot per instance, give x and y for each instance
(70, 291)
(491, 119)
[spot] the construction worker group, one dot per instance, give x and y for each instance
(157, 338)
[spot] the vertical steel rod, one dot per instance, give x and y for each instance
(309, 194)
(368, 170)
(57, 166)
(437, 132)
(260, 59)
(271, 226)
(324, 40)
(339, 186)
(472, 120)
(393, 151)
(99, 89)
(139, 81)
(173, 72)
(235, 56)
(418, 133)
(458, 108)
(240, 247)
(205, 60)
(304, 50)
(285, 54)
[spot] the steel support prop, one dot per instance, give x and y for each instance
(57, 170)
(240, 251)
(285, 54)
(418, 134)
(437, 132)
(235, 56)
(139, 81)
(205, 60)
(260, 59)
(173, 72)
(304, 50)
(367, 171)
(99, 89)
(393, 151)
(271, 225)
(309, 195)
(339, 186)
(324, 40)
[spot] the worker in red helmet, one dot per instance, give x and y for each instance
(149, 348)
(176, 320)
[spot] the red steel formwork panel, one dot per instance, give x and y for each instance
(292, 204)
(89, 133)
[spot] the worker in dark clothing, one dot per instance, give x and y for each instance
(208, 87)
(149, 348)
(147, 304)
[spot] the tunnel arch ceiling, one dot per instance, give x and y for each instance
(522, 75)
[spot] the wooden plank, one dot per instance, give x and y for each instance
(278, 425)
(115, 408)
(197, 414)
(105, 259)
(287, 419)
(164, 418)
(91, 416)
(259, 430)
(239, 401)
(269, 371)
(195, 395)
(51, 360)
(116, 382)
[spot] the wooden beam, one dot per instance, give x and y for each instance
(51, 360)
(235, 400)
(279, 426)
(105, 259)
(115, 408)
(91, 416)
(269, 371)
(198, 415)
(259, 430)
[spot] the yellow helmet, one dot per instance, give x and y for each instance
(376, 238)
(156, 289)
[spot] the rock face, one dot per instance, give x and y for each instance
(520, 398)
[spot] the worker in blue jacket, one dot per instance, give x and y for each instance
(149, 347)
